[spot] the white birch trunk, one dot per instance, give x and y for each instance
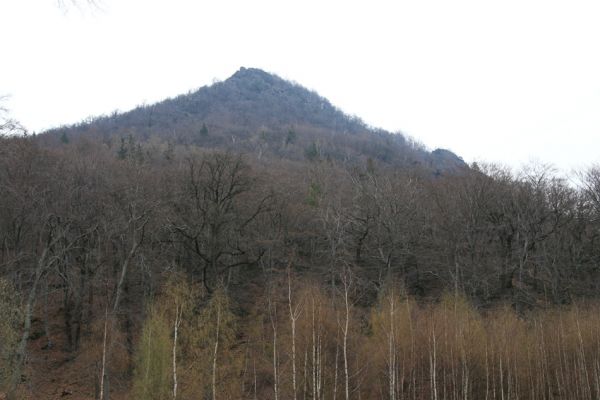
(433, 366)
(103, 369)
(335, 374)
(215, 354)
(294, 314)
(273, 318)
(178, 315)
(345, 333)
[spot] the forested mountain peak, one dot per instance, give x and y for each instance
(234, 241)
(259, 113)
(266, 99)
(248, 75)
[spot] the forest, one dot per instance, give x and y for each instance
(161, 270)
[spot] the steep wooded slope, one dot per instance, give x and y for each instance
(258, 113)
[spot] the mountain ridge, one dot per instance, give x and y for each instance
(260, 113)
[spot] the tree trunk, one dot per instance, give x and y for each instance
(178, 315)
(275, 355)
(347, 283)
(22, 348)
(103, 369)
(124, 269)
(214, 366)
(294, 313)
(392, 350)
(106, 352)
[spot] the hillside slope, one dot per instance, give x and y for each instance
(259, 113)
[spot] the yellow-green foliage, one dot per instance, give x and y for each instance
(152, 376)
(10, 322)
(154, 359)
(202, 337)
(398, 349)
(198, 319)
(448, 349)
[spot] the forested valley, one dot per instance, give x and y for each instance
(214, 262)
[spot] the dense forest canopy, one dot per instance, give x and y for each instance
(250, 241)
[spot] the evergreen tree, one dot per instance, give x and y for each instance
(123, 150)
(312, 152)
(291, 137)
(204, 130)
(64, 138)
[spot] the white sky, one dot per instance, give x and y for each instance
(505, 80)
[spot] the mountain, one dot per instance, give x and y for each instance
(260, 113)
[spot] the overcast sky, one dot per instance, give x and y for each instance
(504, 81)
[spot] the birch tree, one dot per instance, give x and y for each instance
(295, 309)
(152, 372)
(215, 337)
(347, 286)
(159, 353)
